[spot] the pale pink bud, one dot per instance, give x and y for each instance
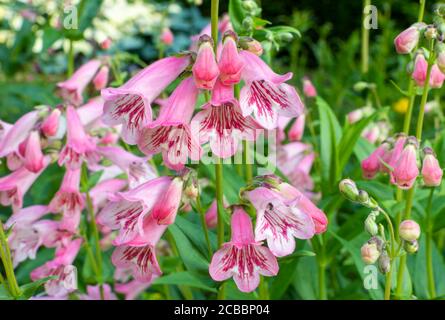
(371, 165)
(436, 77)
(297, 129)
(308, 88)
(440, 60)
(167, 37)
(106, 44)
(205, 70)
(420, 69)
(33, 153)
(50, 125)
(370, 253)
(165, 210)
(254, 47)
(431, 171)
(407, 40)
(406, 170)
(230, 64)
(409, 230)
(101, 79)
(211, 216)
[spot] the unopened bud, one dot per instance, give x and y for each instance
(248, 23)
(431, 33)
(251, 45)
(370, 225)
(286, 36)
(409, 230)
(360, 86)
(349, 189)
(370, 253)
(378, 242)
(440, 60)
(249, 5)
(411, 247)
(384, 263)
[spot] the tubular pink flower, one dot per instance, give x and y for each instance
(34, 160)
(242, 258)
(130, 104)
(79, 146)
(230, 63)
(296, 131)
(126, 210)
(406, 170)
(279, 221)
(266, 94)
(222, 123)
(165, 210)
(50, 125)
(101, 79)
(136, 168)
(372, 164)
(420, 68)
(167, 37)
(205, 69)
(436, 78)
(407, 40)
(391, 157)
(91, 111)
(308, 88)
(14, 161)
(71, 90)
(170, 133)
(431, 171)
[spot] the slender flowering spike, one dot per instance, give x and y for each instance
(308, 88)
(79, 146)
(130, 104)
(265, 93)
(437, 77)
(167, 37)
(170, 133)
(165, 210)
(420, 68)
(50, 125)
(297, 130)
(136, 168)
(101, 79)
(18, 133)
(431, 170)
(126, 210)
(230, 63)
(205, 70)
(406, 170)
(372, 164)
(222, 123)
(407, 40)
(279, 221)
(242, 258)
(71, 90)
(409, 230)
(14, 186)
(34, 160)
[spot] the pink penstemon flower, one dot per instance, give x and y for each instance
(126, 211)
(420, 69)
(406, 170)
(91, 112)
(431, 170)
(436, 77)
(71, 90)
(34, 159)
(296, 131)
(222, 124)
(50, 125)
(165, 210)
(230, 63)
(79, 146)
(167, 37)
(372, 164)
(101, 79)
(205, 69)
(308, 88)
(170, 133)
(408, 39)
(242, 258)
(266, 94)
(130, 104)
(102, 190)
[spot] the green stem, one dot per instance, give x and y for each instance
(392, 254)
(365, 41)
(70, 64)
(429, 247)
(5, 255)
(421, 10)
(204, 224)
(388, 282)
(247, 166)
(214, 23)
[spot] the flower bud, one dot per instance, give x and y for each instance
(34, 159)
(370, 253)
(349, 189)
(248, 23)
(360, 86)
(249, 5)
(431, 170)
(50, 125)
(106, 44)
(436, 77)
(420, 68)
(430, 33)
(384, 263)
(370, 225)
(167, 37)
(251, 45)
(409, 230)
(440, 60)
(406, 170)
(230, 62)
(411, 247)
(205, 70)
(407, 40)
(101, 79)
(308, 88)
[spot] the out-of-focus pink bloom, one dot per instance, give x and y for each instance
(243, 258)
(101, 79)
(132, 288)
(136, 168)
(71, 90)
(167, 37)
(372, 164)
(14, 161)
(211, 216)
(50, 125)
(100, 192)
(69, 200)
(14, 186)
(358, 114)
(34, 160)
(392, 157)
(106, 44)
(222, 123)
(109, 138)
(308, 88)
(165, 210)
(436, 77)
(407, 40)
(282, 124)
(279, 221)
(18, 133)
(371, 133)
(91, 111)
(230, 63)
(431, 106)
(266, 94)
(205, 69)
(296, 131)
(170, 133)
(79, 146)
(406, 170)
(126, 210)
(420, 68)
(431, 170)
(93, 293)
(130, 104)
(252, 45)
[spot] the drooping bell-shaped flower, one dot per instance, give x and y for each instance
(71, 90)
(308, 88)
(391, 158)
(372, 164)
(126, 210)
(205, 69)
(266, 94)
(101, 79)
(243, 258)
(130, 104)
(170, 133)
(34, 159)
(406, 170)
(79, 146)
(407, 40)
(436, 77)
(50, 125)
(136, 168)
(431, 170)
(230, 62)
(296, 131)
(165, 210)
(420, 69)
(279, 221)
(222, 123)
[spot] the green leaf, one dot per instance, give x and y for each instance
(298, 254)
(236, 14)
(186, 278)
(196, 234)
(29, 289)
(280, 29)
(4, 293)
